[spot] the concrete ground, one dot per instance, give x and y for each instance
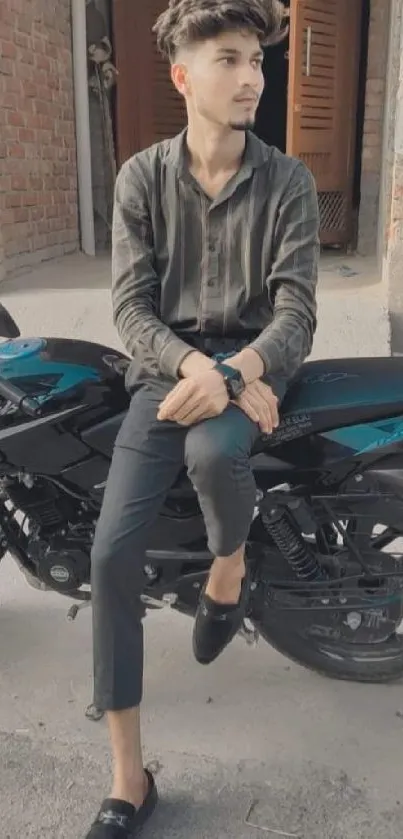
(317, 759)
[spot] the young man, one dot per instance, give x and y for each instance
(215, 249)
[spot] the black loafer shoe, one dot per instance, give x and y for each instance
(217, 624)
(120, 820)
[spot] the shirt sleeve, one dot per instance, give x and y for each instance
(135, 282)
(285, 343)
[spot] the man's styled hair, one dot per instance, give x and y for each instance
(187, 22)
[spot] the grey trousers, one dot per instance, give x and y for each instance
(148, 457)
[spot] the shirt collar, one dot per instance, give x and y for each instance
(256, 154)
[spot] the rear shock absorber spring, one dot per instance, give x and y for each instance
(287, 538)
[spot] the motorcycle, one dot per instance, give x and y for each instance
(324, 546)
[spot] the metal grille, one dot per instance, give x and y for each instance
(333, 211)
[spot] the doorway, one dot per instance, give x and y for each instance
(271, 119)
(309, 106)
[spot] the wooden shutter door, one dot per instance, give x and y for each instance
(148, 108)
(322, 101)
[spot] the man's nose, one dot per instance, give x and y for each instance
(250, 78)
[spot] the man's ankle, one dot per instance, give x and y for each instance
(130, 787)
(227, 569)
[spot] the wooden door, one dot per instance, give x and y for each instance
(148, 108)
(325, 42)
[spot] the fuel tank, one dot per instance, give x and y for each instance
(77, 383)
(54, 367)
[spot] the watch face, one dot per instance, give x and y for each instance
(237, 386)
(233, 380)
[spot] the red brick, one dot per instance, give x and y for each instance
(7, 16)
(6, 67)
(16, 150)
(13, 85)
(38, 45)
(51, 51)
(13, 200)
(27, 56)
(51, 211)
(30, 90)
(26, 135)
(36, 183)
(46, 122)
(43, 226)
(21, 214)
(15, 118)
(23, 40)
(8, 50)
(31, 198)
(45, 93)
(42, 62)
(24, 23)
(33, 121)
(38, 76)
(6, 31)
(41, 107)
(9, 100)
(25, 71)
(18, 182)
(37, 213)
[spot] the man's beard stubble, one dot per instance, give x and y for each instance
(245, 125)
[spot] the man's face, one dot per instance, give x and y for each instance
(222, 79)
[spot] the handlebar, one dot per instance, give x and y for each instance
(17, 397)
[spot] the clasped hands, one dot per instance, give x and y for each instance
(204, 395)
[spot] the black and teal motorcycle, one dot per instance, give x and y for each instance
(325, 544)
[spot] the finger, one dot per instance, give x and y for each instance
(263, 412)
(245, 405)
(191, 406)
(174, 391)
(274, 412)
(198, 415)
(174, 401)
(265, 392)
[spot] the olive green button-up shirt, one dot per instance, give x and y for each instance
(189, 271)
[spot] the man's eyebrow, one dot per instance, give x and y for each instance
(232, 51)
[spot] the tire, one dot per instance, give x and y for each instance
(376, 664)
(323, 641)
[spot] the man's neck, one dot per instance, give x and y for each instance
(213, 152)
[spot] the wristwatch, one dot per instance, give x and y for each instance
(234, 381)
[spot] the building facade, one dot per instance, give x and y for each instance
(38, 158)
(38, 181)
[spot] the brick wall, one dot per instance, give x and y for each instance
(38, 185)
(374, 125)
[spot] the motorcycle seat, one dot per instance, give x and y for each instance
(345, 391)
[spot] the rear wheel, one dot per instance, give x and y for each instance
(348, 628)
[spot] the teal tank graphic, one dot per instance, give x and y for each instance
(25, 363)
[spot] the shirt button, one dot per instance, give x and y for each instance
(212, 247)
(210, 283)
